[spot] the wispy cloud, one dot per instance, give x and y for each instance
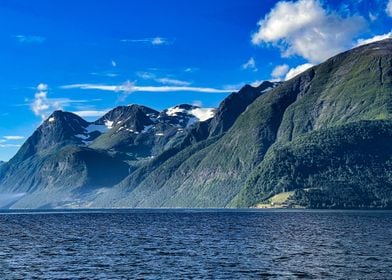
(164, 81)
(168, 81)
(13, 137)
(250, 65)
(131, 87)
(29, 39)
(4, 141)
(190, 70)
(10, 146)
(155, 41)
(104, 74)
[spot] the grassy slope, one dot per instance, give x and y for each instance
(351, 87)
(350, 165)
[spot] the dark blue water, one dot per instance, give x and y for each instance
(196, 244)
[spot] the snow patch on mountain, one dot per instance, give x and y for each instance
(203, 114)
(109, 124)
(147, 128)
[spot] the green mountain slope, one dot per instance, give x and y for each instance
(347, 166)
(350, 87)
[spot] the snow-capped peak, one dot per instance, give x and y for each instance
(201, 114)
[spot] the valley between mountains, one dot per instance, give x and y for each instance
(320, 140)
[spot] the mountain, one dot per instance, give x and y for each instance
(67, 158)
(141, 187)
(352, 87)
(142, 132)
(319, 140)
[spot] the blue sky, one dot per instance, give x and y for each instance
(88, 56)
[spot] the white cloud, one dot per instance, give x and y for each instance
(164, 81)
(159, 41)
(376, 38)
(104, 74)
(114, 63)
(13, 137)
(168, 81)
(279, 71)
(156, 41)
(10, 146)
(306, 29)
(388, 10)
(29, 39)
(42, 87)
(190, 70)
(129, 87)
(91, 113)
(42, 105)
(250, 65)
(146, 75)
(297, 70)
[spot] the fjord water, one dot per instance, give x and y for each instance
(151, 244)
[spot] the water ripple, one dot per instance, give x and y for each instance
(197, 244)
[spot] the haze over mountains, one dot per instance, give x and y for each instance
(323, 138)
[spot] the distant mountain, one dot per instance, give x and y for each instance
(319, 140)
(68, 157)
(142, 132)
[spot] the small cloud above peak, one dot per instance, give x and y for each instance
(42, 105)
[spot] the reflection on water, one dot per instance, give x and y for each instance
(197, 244)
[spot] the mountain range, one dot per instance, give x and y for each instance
(319, 140)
